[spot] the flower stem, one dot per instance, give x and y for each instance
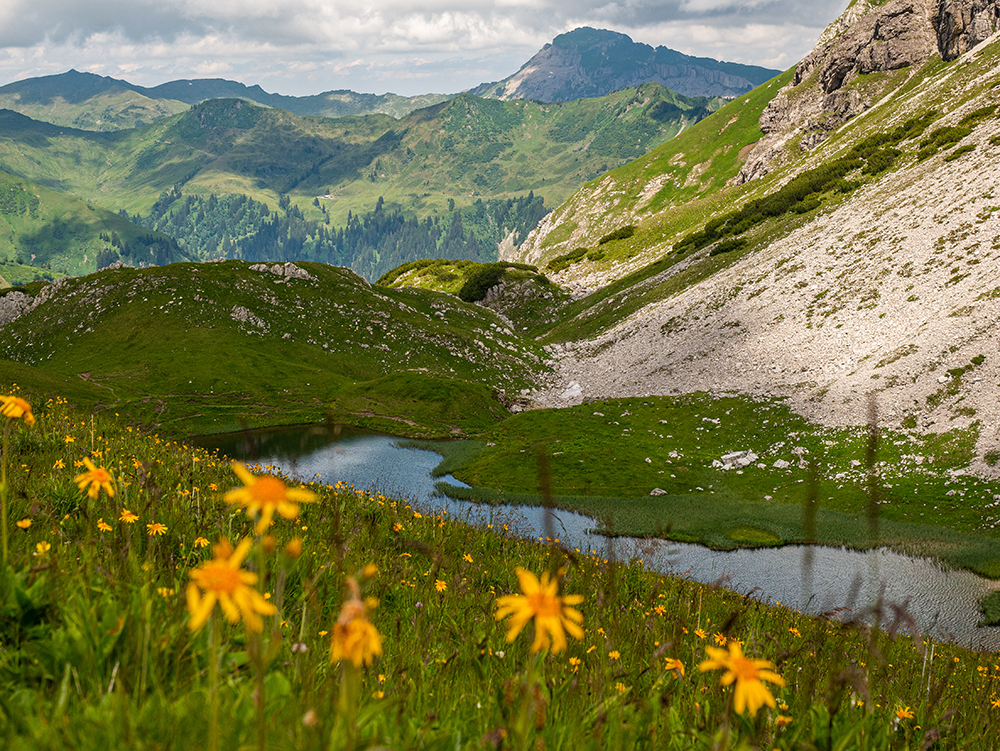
(213, 686)
(3, 489)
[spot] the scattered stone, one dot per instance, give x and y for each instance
(574, 391)
(658, 491)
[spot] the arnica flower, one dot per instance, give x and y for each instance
(103, 525)
(676, 665)
(41, 548)
(904, 713)
(24, 523)
(751, 693)
(541, 601)
(267, 494)
(440, 586)
(15, 407)
(201, 542)
(128, 517)
(222, 581)
(355, 638)
(97, 478)
(156, 529)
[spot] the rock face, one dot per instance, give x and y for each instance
(962, 24)
(866, 39)
(593, 62)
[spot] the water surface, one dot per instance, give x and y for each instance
(941, 602)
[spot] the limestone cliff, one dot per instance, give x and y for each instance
(830, 88)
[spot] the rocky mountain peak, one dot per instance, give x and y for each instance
(590, 62)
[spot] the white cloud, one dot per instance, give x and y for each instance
(307, 46)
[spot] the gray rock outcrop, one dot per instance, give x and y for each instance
(866, 39)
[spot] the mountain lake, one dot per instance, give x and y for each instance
(942, 602)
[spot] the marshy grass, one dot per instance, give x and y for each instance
(96, 649)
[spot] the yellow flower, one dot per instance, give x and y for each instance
(24, 523)
(467, 558)
(904, 713)
(41, 548)
(355, 638)
(397, 527)
(720, 639)
(795, 632)
(165, 592)
(103, 526)
(294, 547)
(201, 542)
(156, 529)
(748, 675)
(70, 439)
(267, 494)
(15, 407)
(541, 601)
(700, 633)
(128, 517)
(59, 464)
(614, 654)
(440, 586)
(782, 720)
(223, 581)
(676, 665)
(97, 478)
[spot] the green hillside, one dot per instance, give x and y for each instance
(211, 347)
(461, 150)
(45, 234)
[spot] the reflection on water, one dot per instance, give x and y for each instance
(940, 602)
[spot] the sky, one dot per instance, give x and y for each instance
(408, 47)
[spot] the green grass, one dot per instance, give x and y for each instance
(162, 345)
(597, 462)
(418, 405)
(97, 653)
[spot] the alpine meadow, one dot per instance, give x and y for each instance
(705, 359)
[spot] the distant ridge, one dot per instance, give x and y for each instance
(92, 102)
(590, 62)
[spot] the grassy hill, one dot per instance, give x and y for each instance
(211, 347)
(45, 234)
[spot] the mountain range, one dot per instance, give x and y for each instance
(582, 63)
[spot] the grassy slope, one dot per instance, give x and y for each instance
(107, 609)
(531, 302)
(461, 149)
(107, 111)
(58, 235)
(690, 175)
(163, 347)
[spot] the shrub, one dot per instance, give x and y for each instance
(622, 233)
(728, 246)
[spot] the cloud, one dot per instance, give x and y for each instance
(312, 42)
